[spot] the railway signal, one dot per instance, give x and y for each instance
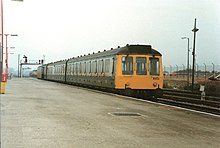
(25, 59)
(41, 61)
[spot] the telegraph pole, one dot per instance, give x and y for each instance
(193, 53)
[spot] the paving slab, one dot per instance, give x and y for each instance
(43, 114)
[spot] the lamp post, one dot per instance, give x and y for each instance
(18, 65)
(6, 61)
(187, 60)
(1, 55)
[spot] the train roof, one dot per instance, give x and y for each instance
(138, 49)
(128, 49)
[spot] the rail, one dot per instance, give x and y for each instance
(191, 100)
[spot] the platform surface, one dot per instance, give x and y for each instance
(43, 114)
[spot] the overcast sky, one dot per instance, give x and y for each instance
(61, 29)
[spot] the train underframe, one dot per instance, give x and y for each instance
(107, 84)
(146, 94)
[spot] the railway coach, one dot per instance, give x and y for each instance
(131, 70)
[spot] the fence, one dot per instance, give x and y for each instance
(201, 71)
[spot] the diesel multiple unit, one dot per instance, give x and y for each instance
(131, 70)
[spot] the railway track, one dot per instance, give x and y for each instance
(191, 100)
(184, 99)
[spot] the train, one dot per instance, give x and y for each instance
(132, 70)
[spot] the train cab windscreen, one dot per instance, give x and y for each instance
(141, 66)
(127, 65)
(154, 66)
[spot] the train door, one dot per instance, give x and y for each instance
(156, 71)
(154, 66)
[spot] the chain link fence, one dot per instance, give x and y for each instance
(181, 71)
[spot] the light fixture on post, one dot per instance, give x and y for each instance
(187, 60)
(6, 60)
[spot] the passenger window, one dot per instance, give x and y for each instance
(141, 66)
(94, 67)
(77, 68)
(72, 72)
(80, 68)
(88, 67)
(100, 66)
(127, 65)
(107, 65)
(84, 67)
(154, 66)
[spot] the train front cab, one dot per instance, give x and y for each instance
(142, 74)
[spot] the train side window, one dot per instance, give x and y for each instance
(77, 68)
(141, 66)
(63, 69)
(83, 67)
(69, 69)
(72, 69)
(80, 68)
(90, 67)
(60, 69)
(127, 65)
(154, 66)
(100, 66)
(107, 65)
(87, 67)
(94, 66)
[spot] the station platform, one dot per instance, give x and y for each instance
(43, 114)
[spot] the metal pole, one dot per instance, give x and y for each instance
(1, 68)
(205, 71)
(18, 64)
(213, 68)
(187, 60)
(193, 53)
(188, 65)
(0, 65)
(21, 70)
(6, 60)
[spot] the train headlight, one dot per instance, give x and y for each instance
(155, 84)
